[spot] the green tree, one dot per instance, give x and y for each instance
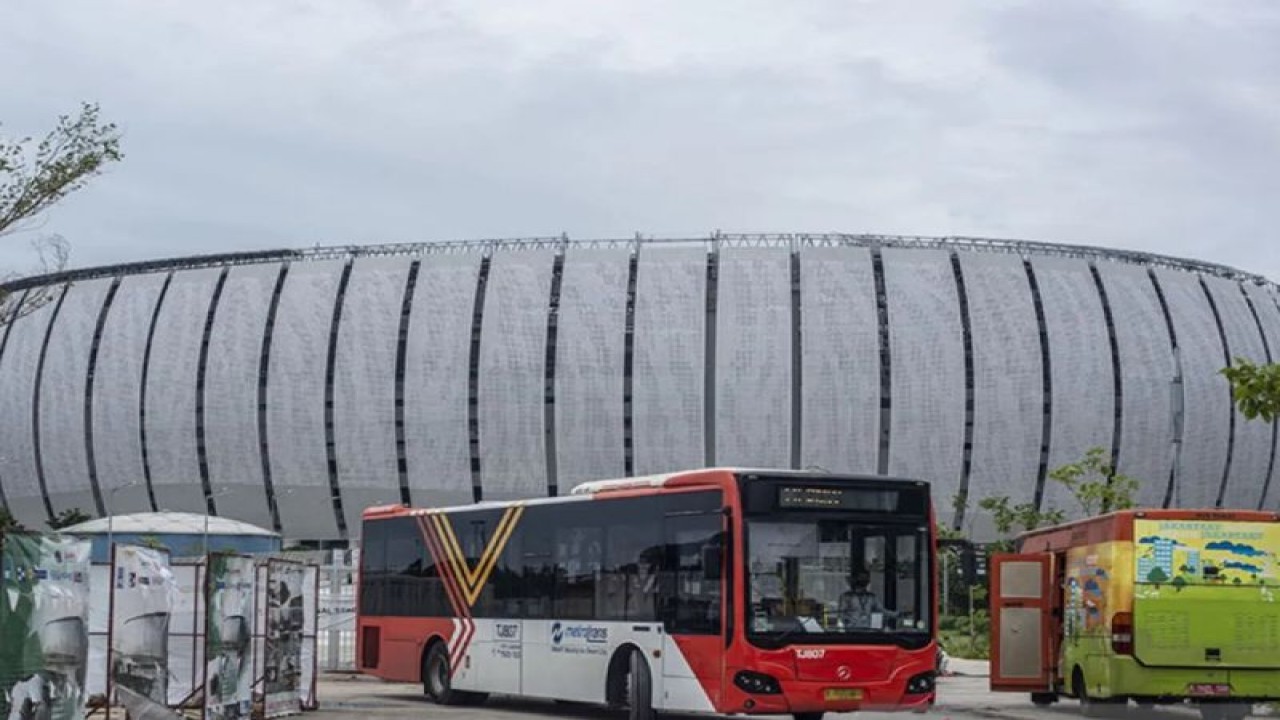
(8, 524)
(69, 517)
(1092, 482)
(1157, 576)
(1179, 582)
(1255, 389)
(35, 178)
(1095, 484)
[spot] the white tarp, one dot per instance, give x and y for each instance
(228, 653)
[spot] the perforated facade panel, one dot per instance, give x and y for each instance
(232, 443)
(1252, 444)
(17, 391)
(513, 347)
(437, 351)
(62, 392)
(1268, 313)
(841, 360)
(1008, 384)
(1206, 401)
(1147, 372)
(117, 394)
(753, 358)
(927, 356)
(670, 367)
(484, 414)
(364, 390)
(589, 361)
(295, 399)
(1080, 367)
(171, 397)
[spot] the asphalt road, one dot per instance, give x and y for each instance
(960, 698)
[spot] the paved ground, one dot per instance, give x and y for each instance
(960, 698)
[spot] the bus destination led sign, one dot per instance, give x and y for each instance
(833, 498)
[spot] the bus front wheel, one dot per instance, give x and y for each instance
(639, 688)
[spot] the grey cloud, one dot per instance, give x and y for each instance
(294, 124)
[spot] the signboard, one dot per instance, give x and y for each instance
(1178, 553)
(44, 627)
(228, 683)
(792, 497)
(143, 594)
(284, 631)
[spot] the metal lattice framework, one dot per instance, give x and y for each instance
(712, 241)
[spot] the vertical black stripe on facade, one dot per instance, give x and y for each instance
(549, 377)
(1275, 426)
(628, 367)
(1046, 381)
(962, 498)
(886, 365)
(142, 393)
(797, 365)
(10, 318)
(264, 373)
(330, 373)
(1231, 411)
(473, 379)
(35, 403)
(202, 367)
(91, 458)
(709, 358)
(402, 356)
(1117, 380)
(1177, 412)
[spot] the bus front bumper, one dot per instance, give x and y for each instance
(803, 696)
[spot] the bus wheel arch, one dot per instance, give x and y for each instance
(640, 700)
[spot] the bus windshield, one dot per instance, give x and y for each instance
(831, 580)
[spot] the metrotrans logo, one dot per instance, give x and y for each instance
(594, 634)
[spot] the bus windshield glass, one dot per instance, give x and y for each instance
(831, 580)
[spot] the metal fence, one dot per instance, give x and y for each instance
(336, 626)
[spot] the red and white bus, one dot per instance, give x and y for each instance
(728, 591)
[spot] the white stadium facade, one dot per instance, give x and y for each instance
(292, 389)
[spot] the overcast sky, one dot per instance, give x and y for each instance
(273, 123)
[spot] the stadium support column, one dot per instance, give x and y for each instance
(1176, 390)
(35, 404)
(1231, 412)
(92, 371)
(1046, 431)
(10, 315)
(709, 355)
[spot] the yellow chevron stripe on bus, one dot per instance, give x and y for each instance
(473, 579)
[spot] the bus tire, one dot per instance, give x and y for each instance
(639, 687)
(808, 716)
(437, 676)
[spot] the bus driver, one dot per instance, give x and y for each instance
(859, 607)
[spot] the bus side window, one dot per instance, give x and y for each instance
(691, 590)
(538, 574)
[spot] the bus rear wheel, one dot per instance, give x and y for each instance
(437, 679)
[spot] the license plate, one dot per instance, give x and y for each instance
(845, 694)
(1209, 689)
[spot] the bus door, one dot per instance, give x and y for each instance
(694, 608)
(1022, 622)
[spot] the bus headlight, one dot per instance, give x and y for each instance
(757, 683)
(921, 684)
